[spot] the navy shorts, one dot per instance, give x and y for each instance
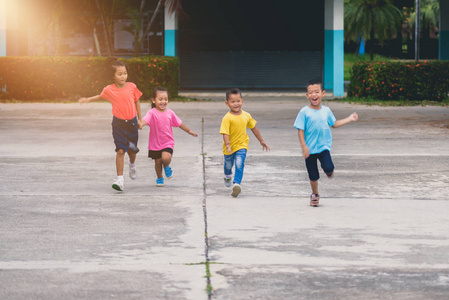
(312, 164)
(125, 134)
(156, 154)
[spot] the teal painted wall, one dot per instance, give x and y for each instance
(334, 61)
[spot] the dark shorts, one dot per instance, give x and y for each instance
(125, 134)
(312, 164)
(158, 154)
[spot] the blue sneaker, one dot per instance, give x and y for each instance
(168, 172)
(160, 182)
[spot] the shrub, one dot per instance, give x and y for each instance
(400, 80)
(39, 78)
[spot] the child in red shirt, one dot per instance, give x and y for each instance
(124, 97)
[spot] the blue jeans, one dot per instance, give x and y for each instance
(239, 158)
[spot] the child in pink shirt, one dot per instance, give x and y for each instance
(161, 142)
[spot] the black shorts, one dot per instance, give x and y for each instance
(158, 154)
(312, 164)
(125, 134)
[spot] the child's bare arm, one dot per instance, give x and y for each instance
(302, 141)
(227, 142)
(186, 129)
(87, 100)
(139, 111)
(352, 118)
(257, 134)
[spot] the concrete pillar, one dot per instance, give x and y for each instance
(334, 46)
(444, 30)
(170, 33)
(3, 27)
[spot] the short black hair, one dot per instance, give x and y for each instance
(154, 94)
(115, 63)
(315, 81)
(233, 91)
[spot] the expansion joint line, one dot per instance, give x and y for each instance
(206, 238)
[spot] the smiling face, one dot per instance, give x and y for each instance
(235, 103)
(161, 100)
(315, 94)
(120, 76)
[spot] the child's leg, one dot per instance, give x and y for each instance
(228, 164)
(240, 157)
(166, 158)
(120, 161)
(314, 186)
(158, 167)
(326, 163)
(312, 169)
(132, 156)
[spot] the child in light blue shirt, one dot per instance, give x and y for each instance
(313, 123)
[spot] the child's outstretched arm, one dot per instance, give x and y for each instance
(186, 129)
(259, 137)
(352, 118)
(302, 141)
(87, 100)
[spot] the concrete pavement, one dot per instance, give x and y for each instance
(380, 233)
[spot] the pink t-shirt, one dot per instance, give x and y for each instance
(122, 100)
(161, 133)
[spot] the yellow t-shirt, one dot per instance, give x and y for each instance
(235, 127)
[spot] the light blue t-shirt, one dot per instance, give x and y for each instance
(315, 123)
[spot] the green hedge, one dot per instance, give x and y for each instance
(400, 80)
(42, 78)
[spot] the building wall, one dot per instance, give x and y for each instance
(251, 43)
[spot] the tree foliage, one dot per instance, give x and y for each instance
(371, 19)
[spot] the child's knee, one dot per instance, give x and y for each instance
(328, 170)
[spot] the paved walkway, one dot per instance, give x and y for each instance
(380, 233)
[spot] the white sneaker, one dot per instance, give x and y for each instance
(227, 181)
(118, 184)
(236, 189)
(132, 172)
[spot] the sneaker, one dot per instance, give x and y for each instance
(160, 182)
(168, 172)
(314, 200)
(227, 181)
(132, 172)
(118, 185)
(236, 189)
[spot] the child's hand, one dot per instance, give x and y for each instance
(354, 117)
(192, 133)
(228, 148)
(305, 152)
(265, 146)
(83, 100)
(141, 124)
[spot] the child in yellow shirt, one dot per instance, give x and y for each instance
(235, 140)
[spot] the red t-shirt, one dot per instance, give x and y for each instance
(122, 100)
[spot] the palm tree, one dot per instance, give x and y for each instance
(371, 19)
(429, 14)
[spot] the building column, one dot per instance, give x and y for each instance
(3, 27)
(444, 30)
(170, 33)
(334, 46)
